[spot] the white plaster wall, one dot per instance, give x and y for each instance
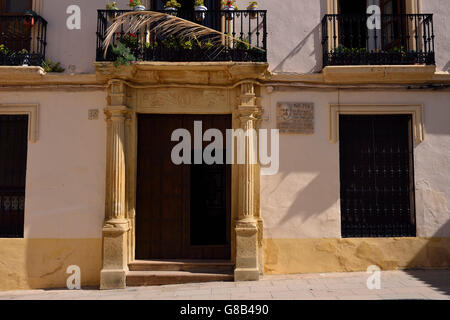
(294, 40)
(441, 14)
(65, 181)
(302, 200)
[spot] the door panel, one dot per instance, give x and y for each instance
(13, 165)
(376, 174)
(174, 219)
(393, 27)
(15, 31)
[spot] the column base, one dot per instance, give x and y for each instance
(115, 266)
(246, 251)
(113, 279)
(246, 274)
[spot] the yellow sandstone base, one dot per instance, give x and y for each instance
(289, 256)
(42, 263)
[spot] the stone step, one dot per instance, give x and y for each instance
(206, 266)
(152, 278)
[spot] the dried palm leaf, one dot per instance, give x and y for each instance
(166, 25)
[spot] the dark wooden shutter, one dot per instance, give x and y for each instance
(376, 174)
(13, 163)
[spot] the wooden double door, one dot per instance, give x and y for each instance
(182, 211)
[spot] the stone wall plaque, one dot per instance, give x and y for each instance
(296, 118)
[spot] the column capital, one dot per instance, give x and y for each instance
(249, 113)
(116, 112)
(117, 93)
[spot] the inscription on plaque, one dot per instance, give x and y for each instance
(295, 118)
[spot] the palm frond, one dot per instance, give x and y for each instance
(166, 25)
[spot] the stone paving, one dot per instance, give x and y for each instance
(426, 284)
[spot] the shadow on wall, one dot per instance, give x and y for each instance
(446, 67)
(309, 202)
(436, 256)
(307, 184)
(317, 52)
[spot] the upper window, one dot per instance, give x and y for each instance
(387, 35)
(15, 6)
(360, 6)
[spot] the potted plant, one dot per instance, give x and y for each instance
(253, 6)
(29, 18)
(24, 55)
(199, 7)
(229, 5)
(112, 7)
(136, 5)
(172, 6)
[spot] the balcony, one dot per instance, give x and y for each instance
(406, 39)
(247, 26)
(22, 40)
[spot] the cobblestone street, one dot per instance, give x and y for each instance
(430, 284)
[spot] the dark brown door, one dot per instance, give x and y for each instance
(394, 24)
(182, 211)
(15, 29)
(13, 166)
(377, 176)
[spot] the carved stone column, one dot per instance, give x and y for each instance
(247, 267)
(116, 226)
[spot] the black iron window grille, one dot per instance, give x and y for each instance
(13, 163)
(23, 39)
(377, 176)
(245, 25)
(404, 39)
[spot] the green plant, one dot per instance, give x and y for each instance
(243, 45)
(398, 50)
(172, 4)
(49, 66)
(206, 45)
(3, 49)
(187, 45)
(343, 49)
(134, 3)
(130, 40)
(112, 6)
(124, 55)
(152, 45)
(198, 3)
(23, 51)
(170, 42)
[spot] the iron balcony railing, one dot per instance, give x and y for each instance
(22, 40)
(245, 25)
(403, 39)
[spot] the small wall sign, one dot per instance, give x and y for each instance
(295, 118)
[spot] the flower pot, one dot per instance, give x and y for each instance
(230, 14)
(139, 8)
(171, 10)
(200, 13)
(29, 21)
(254, 14)
(26, 60)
